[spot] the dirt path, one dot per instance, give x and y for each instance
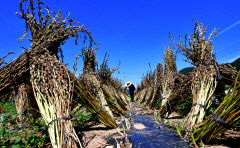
(146, 132)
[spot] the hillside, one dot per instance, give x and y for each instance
(235, 64)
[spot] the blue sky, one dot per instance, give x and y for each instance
(133, 31)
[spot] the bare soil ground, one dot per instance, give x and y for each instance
(95, 135)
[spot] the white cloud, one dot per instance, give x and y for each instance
(229, 27)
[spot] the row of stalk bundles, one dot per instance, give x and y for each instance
(42, 82)
(202, 84)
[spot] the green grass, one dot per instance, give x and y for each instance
(184, 106)
(158, 104)
(34, 133)
(8, 106)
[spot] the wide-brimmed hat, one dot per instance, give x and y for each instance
(128, 83)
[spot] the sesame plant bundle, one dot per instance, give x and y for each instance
(139, 90)
(112, 101)
(2, 59)
(170, 70)
(148, 82)
(140, 94)
(225, 117)
(153, 95)
(155, 98)
(86, 98)
(167, 87)
(53, 91)
(228, 73)
(150, 94)
(203, 87)
(196, 47)
(181, 90)
(143, 94)
(21, 100)
(117, 84)
(90, 78)
(107, 84)
(14, 74)
(158, 86)
(118, 93)
(143, 87)
(48, 31)
(198, 51)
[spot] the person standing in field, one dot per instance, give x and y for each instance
(131, 88)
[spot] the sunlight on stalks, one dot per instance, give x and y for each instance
(226, 116)
(178, 131)
(52, 89)
(170, 72)
(202, 88)
(21, 101)
(128, 124)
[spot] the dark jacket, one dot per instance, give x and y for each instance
(131, 89)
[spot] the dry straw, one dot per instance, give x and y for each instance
(52, 87)
(226, 116)
(170, 71)
(21, 100)
(181, 89)
(198, 51)
(203, 87)
(90, 78)
(47, 33)
(158, 86)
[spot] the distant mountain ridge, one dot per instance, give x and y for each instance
(235, 64)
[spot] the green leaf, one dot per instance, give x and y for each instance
(16, 146)
(17, 140)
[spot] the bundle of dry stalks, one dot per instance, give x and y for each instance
(147, 83)
(116, 90)
(225, 117)
(203, 86)
(47, 33)
(170, 72)
(92, 95)
(112, 90)
(117, 84)
(86, 98)
(140, 95)
(158, 86)
(148, 97)
(196, 48)
(90, 78)
(89, 60)
(2, 60)
(105, 72)
(150, 89)
(21, 100)
(142, 88)
(181, 89)
(53, 91)
(198, 51)
(114, 100)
